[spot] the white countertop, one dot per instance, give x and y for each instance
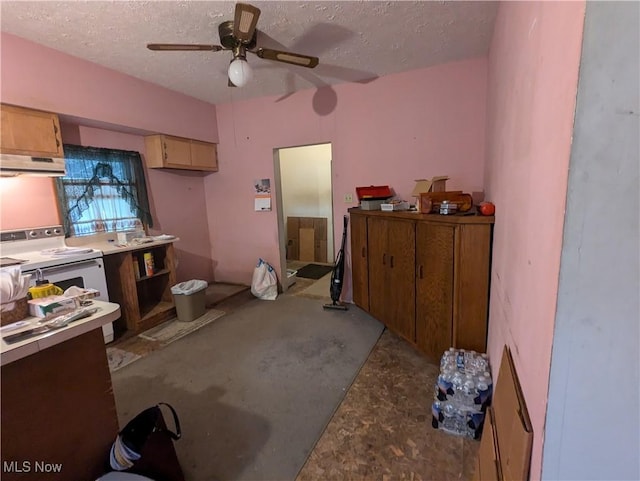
(108, 312)
(108, 244)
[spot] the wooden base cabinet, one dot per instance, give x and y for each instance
(145, 300)
(426, 277)
(391, 274)
(359, 261)
(434, 287)
(58, 411)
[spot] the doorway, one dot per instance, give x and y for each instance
(305, 207)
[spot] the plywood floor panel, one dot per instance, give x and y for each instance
(382, 430)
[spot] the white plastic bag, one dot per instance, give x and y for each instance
(265, 283)
(189, 287)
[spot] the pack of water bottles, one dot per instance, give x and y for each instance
(462, 393)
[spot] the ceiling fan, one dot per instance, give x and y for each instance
(240, 36)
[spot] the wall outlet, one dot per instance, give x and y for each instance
(348, 198)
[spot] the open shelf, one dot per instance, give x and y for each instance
(145, 301)
(162, 272)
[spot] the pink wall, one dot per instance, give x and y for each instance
(391, 131)
(181, 213)
(27, 202)
(93, 95)
(86, 90)
(533, 74)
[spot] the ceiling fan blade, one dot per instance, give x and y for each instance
(287, 57)
(245, 21)
(182, 46)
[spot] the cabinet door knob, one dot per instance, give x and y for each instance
(391, 261)
(384, 259)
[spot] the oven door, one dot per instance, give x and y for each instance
(87, 273)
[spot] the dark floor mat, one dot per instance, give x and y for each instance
(314, 271)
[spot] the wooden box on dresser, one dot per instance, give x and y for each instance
(145, 300)
(425, 276)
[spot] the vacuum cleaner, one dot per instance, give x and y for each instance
(337, 275)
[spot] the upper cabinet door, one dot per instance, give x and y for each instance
(204, 155)
(176, 151)
(168, 152)
(30, 132)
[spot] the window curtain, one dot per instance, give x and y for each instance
(104, 190)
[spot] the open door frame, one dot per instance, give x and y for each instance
(279, 203)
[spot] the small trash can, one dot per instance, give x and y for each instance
(190, 299)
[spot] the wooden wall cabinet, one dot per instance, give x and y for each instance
(30, 132)
(145, 301)
(168, 152)
(426, 277)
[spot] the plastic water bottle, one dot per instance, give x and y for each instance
(460, 360)
(469, 392)
(484, 391)
(474, 424)
(447, 361)
(452, 421)
(436, 414)
(445, 385)
(478, 364)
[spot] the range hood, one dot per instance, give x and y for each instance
(12, 165)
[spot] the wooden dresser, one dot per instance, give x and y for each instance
(425, 276)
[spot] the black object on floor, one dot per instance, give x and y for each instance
(337, 276)
(314, 271)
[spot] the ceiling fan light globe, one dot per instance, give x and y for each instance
(240, 72)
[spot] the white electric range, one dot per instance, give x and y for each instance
(43, 253)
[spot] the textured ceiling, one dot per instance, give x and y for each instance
(355, 40)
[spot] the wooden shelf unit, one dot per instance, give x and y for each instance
(425, 276)
(145, 301)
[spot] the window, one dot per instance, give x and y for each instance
(104, 191)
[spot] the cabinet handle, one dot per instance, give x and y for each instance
(420, 273)
(363, 252)
(392, 262)
(55, 134)
(384, 259)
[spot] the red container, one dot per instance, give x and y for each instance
(373, 192)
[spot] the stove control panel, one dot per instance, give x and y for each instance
(35, 233)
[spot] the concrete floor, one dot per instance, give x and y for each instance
(382, 429)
